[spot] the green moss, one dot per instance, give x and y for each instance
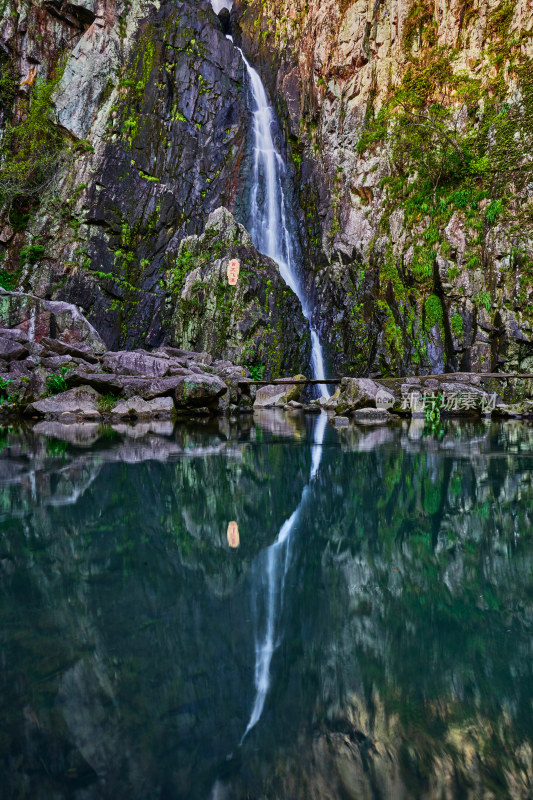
(31, 150)
(183, 264)
(31, 253)
(9, 280)
(482, 300)
(433, 312)
(456, 324)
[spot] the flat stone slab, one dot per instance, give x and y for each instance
(372, 415)
(340, 422)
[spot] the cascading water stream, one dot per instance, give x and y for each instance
(269, 225)
(270, 232)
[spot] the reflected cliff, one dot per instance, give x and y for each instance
(403, 659)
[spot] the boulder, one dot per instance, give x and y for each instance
(11, 350)
(278, 395)
(340, 422)
(185, 355)
(136, 362)
(149, 388)
(269, 397)
(257, 321)
(101, 381)
(25, 367)
(372, 416)
(354, 393)
(138, 408)
(295, 390)
(78, 403)
(15, 333)
(64, 348)
(196, 391)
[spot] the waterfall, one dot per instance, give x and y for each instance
(268, 210)
(268, 579)
(270, 232)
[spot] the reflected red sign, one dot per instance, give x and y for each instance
(234, 539)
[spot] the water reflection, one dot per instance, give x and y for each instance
(402, 635)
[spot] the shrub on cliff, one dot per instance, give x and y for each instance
(32, 149)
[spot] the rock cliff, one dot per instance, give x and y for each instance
(408, 125)
(153, 110)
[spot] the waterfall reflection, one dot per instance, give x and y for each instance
(401, 660)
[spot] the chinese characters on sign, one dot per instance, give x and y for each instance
(234, 268)
(452, 402)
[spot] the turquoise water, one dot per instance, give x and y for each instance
(376, 618)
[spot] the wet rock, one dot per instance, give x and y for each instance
(138, 408)
(78, 403)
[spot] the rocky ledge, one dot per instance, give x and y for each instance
(457, 394)
(371, 401)
(53, 364)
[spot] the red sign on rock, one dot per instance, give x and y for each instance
(234, 268)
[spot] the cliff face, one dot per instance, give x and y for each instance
(154, 118)
(408, 122)
(156, 108)
(411, 124)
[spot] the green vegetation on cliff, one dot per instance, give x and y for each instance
(31, 149)
(457, 145)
